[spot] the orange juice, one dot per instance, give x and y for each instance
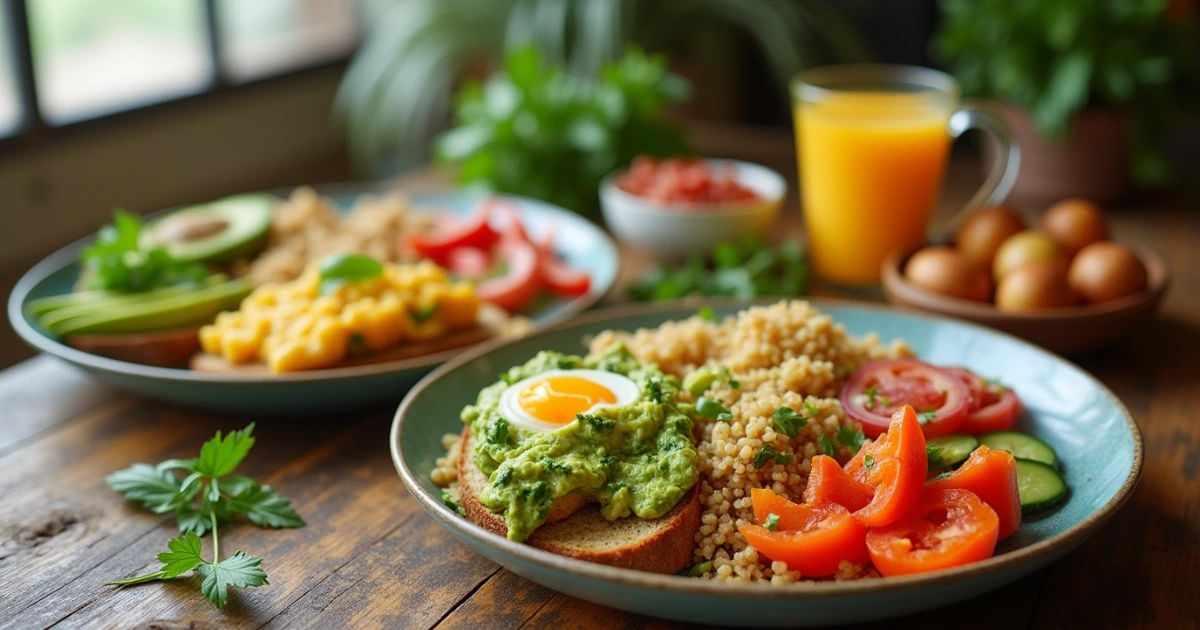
(871, 166)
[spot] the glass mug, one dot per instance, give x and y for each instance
(872, 143)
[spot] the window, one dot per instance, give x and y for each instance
(10, 96)
(271, 36)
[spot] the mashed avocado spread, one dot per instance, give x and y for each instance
(634, 459)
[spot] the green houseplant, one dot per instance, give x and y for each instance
(1089, 87)
(398, 89)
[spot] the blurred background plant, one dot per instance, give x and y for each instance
(416, 52)
(1058, 58)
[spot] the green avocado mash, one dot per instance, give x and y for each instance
(636, 459)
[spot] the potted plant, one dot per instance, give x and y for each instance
(1089, 88)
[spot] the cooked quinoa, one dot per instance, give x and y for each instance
(787, 354)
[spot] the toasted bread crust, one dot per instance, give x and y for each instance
(666, 549)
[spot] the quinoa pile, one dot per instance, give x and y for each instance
(784, 355)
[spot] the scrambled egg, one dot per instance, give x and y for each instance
(292, 327)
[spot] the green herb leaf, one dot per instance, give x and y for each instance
(157, 490)
(184, 555)
(237, 571)
(768, 453)
(787, 421)
(772, 522)
(700, 568)
(117, 261)
(708, 408)
(826, 445)
(218, 457)
(423, 314)
(449, 501)
(812, 409)
(868, 461)
(708, 314)
(850, 438)
(872, 394)
(341, 269)
(927, 416)
(264, 507)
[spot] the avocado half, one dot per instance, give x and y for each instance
(217, 232)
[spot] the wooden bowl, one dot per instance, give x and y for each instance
(1070, 330)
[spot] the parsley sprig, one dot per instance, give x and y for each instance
(206, 497)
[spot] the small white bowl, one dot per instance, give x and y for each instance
(674, 229)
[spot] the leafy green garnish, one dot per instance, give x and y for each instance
(536, 129)
(709, 408)
(872, 395)
(768, 453)
(826, 445)
(747, 269)
(812, 409)
(772, 522)
(341, 269)
(221, 495)
(423, 314)
(708, 314)
(118, 262)
(868, 461)
(927, 416)
(850, 438)
(787, 421)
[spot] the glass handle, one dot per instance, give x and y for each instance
(1004, 173)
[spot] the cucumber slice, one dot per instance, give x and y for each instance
(1021, 446)
(1040, 486)
(954, 449)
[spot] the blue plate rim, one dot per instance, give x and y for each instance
(70, 253)
(1054, 546)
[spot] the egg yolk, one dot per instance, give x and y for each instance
(558, 399)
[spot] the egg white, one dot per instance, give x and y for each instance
(625, 390)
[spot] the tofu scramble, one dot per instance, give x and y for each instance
(784, 355)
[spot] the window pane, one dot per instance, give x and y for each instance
(97, 56)
(10, 95)
(266, 37)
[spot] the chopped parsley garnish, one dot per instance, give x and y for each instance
(497, 432)
(553, 465)
(709, 408)
(770, 454)
(707, 313)
(850, 438)
(871, 394)
(449, 501)
(826, 445)
(868, 461)
(654, 389)
(596, 422)
(772, 522)
(811, 409)
(726, 376)
(933, 454)
(423, 314)
(787, 421)
(927, 416)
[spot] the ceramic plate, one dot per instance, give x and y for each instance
(1097, 441)
(582, 245)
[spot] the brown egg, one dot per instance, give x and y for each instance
(1075, 224)
(1106, 271)
(982, 232)
(1035, 286)
(1025, 248)
(949, 272)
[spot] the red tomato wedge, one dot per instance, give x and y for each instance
(812, 539)
(519, 283)
(992, 476)
(474, 231)
(992, 407)
(828, 482)
(876, 390)
(558, 277)
(894, 465)
(469, 262)
(946, 528)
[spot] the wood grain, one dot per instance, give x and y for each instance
(370, 557)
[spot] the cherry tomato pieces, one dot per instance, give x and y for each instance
(812, 539)
(469, 262)
(992, 476)
(946, 528)
(894, 465)
(993, 407)
(451, 234)
(876, 390)
(520, 281)
(827, 481)
(558, 277)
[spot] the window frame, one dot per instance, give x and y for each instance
(32, 129)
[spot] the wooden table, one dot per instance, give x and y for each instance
(370, 557)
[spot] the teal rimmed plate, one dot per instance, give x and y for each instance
(579, 242)
(1098, 443)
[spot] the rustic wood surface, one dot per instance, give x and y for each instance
(370, 557)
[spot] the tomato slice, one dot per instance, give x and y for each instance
(451, 234)
(559, 277)
(992, 476)
(469, 262)
(519, 283)
(827, 481)
(812, 539)
(992, 407)
(894, 465)
(876, 390)
(946, 528)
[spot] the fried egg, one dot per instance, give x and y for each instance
(551, 400)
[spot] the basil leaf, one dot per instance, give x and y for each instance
(341, 269)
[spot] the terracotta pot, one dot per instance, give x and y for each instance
(1092, 161)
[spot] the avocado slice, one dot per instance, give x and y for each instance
(217, 232)
(104, 301)
(174, 311)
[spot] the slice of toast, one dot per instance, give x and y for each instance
(659, 545)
